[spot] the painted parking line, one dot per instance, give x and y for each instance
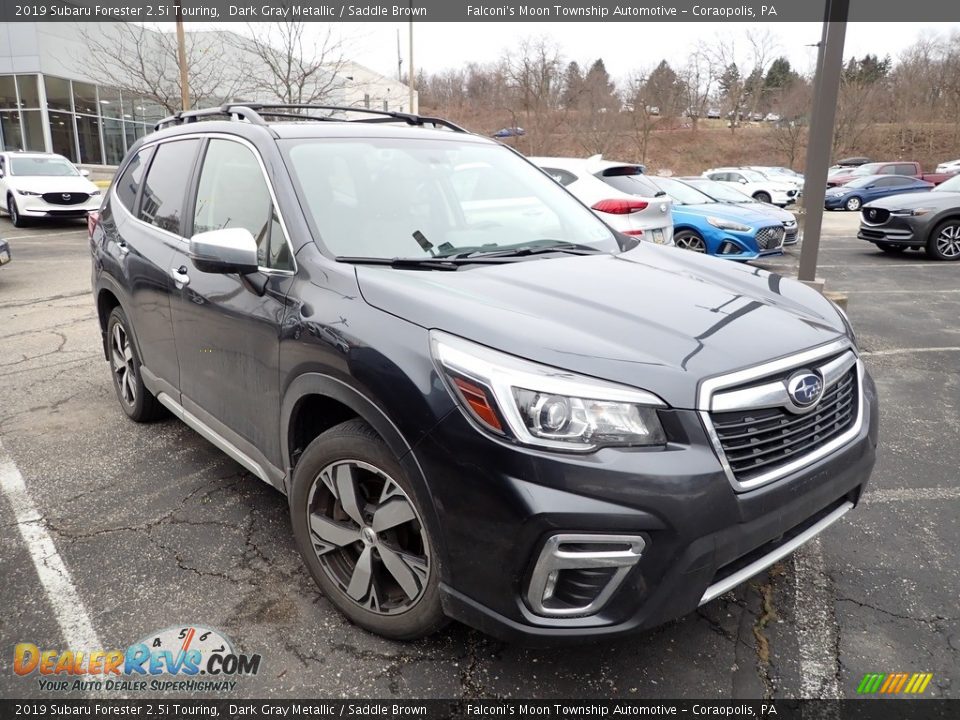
(68, 608)
(816, 624)
(883, 495)
(32, 236)
(908, 351)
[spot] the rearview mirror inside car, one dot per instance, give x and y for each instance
(230, 250)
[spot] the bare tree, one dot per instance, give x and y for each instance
(698, 76)
(790, 132)
(298, 67)
(534, 77)
(143, 62)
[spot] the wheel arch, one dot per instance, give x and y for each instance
(952, 215)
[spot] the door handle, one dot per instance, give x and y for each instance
(180, 276)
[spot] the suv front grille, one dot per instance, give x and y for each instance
(756, 441)
(874, 215)
(75, 198)
(770, 238)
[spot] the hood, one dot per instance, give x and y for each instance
(755, 215)
(655, 318)
(39, 184)
(909, 201)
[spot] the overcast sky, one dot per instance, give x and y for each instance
(624, 47)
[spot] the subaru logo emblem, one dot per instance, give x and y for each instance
(804, 388)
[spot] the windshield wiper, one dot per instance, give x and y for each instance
(523, 251)
(429, 263)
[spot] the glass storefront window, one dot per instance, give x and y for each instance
(10, 134)
(33, 130)
(130, 130)
(62, 135)
(110, 105)
(88, 133)
(58, 93)
(29, 97)
(85, 99)
(8, 92)
(112, 141)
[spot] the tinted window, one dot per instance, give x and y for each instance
(900, 181)
(564, 177)
(233, 193)
(162, 200)
(906, 169)
(129, 183)
(633, 184)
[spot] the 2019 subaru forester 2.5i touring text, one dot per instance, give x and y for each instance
(482, 402)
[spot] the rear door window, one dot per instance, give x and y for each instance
(163, 193)
(906, 169)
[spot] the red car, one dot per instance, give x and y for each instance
(907, 169)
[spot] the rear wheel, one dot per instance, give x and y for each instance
(761, 197)
(944, 243)
(853, 204)
(137, 402)
(689, 240)
(14, 212)
(360, 531)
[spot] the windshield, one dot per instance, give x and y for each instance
(681, 193)
(753, 175)
(951, 185)
(868, 169)
(41, 167)
(720, 191)
(421, 198)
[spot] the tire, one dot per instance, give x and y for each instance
(137, 402)
(689, 240)
(373, 559)
(853, 204)
(944, 242)
(13, 211)
(762, 197)
(892, 249)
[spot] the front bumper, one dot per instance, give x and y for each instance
(783, 197)
(499, 504)
(37, 207)
(906, 231)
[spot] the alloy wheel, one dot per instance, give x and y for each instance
(948, 241)
(853, 204)
(12, 212)
(368, 537)
(689, 241)
(121, 360)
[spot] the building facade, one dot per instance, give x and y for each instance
(53, 100)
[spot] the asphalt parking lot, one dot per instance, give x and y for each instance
(153, 527)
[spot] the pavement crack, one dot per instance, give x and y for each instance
(764, 617)
(932, 620)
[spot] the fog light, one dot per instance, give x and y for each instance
(575, 575)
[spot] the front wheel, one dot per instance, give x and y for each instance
(359, 528)
(762, 197)
(689, 240)
(853, 204)
(13, 210)
(944, 243)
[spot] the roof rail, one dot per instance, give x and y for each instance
(255, 113)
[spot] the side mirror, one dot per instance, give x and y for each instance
(742, 181)
(231, 250)
(85, 173)
(869, 187)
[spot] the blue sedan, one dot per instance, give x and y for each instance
(856, 193)
(704, 225)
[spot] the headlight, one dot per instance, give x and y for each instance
(846, 323)
(28, 193)
(728, 224)
(543, 406)
(911, 213)
(94, 193)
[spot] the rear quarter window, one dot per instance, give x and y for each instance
(128, 184)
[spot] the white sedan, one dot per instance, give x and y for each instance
(43, 185)
(618, 193)
(756, 185)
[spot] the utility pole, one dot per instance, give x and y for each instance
(182, 59)
(399, 59)
(825, 94)
(410, 76)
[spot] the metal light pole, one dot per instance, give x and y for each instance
(410, 76)
(182, 59)
(826, 91)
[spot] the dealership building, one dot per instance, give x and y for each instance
(53, 99)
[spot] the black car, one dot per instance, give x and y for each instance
(929, 221)
(482, 402)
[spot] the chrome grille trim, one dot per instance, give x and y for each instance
(841, 359)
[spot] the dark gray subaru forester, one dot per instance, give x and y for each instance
(482, 402)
